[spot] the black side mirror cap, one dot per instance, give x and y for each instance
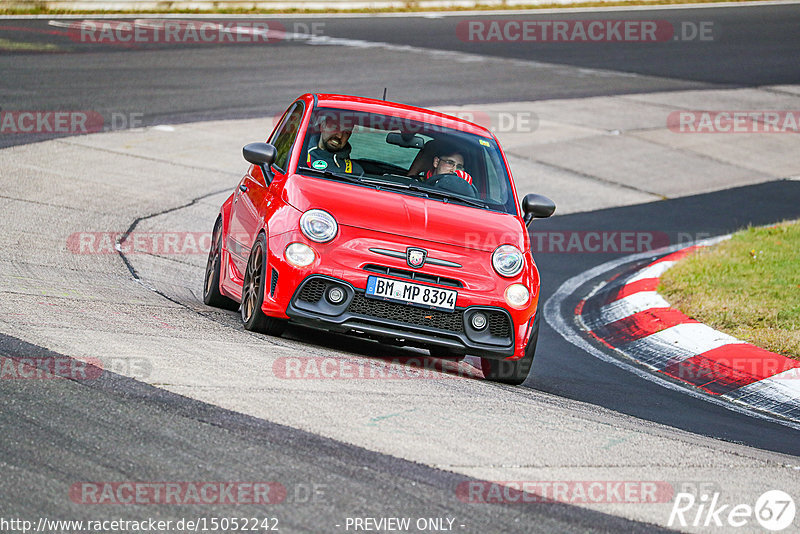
(261, 154)
(537, 207)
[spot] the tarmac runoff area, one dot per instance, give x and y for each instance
(586, 154)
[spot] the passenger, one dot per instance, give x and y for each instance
(332, 151)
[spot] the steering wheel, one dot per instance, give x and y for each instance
(433, 181)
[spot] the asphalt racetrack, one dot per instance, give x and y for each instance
(191, 397)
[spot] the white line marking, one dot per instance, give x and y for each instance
(552, 314)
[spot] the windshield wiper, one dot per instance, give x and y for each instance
(446, 195)
(331, 174)
(397, 176)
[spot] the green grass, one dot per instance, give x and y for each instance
(748, 287)
(7, 45)
(38, 8)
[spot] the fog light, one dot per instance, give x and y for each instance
(517, 295)
(478, 321)
(299, 254)
(335, 295)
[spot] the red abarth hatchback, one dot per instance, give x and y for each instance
(373, 218)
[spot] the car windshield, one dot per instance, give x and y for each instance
(407, 156)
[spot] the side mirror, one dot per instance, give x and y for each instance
(537, 207)
(261, 154)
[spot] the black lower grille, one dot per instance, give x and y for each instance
(407, 314)
(313, 290)
(498, 324)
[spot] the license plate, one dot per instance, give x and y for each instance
(410, 293)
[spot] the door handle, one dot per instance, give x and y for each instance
(243, 188)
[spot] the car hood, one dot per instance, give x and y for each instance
(406, 215)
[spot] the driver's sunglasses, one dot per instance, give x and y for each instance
(453, 163)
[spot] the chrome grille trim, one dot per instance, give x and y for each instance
(402, 255)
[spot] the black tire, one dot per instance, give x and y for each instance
(211, 293)
(445, 353)
(253, 317)
(513, 372)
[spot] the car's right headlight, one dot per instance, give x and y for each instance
(319, 226)
(299, 255)
(508, 261)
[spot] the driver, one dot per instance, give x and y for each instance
(332, 150)
(448, 162)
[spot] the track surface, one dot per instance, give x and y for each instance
(185, 440)
(165, 83)
(191, 440)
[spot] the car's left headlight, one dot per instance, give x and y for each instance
(508, 261)
(319, 226)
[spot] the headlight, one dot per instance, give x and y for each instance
(507, 260)
(299, 254)
(319, 226)
(517, 295)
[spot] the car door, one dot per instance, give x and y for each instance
(253, 198)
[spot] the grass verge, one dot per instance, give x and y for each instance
(7, 45)
(39, 8)
(748, 287)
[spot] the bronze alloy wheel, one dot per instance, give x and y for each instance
(253, 316)
(252, 283)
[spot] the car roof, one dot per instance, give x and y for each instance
(359, 103)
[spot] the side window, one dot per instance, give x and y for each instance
(284, 137)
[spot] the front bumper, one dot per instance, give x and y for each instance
(359, 314)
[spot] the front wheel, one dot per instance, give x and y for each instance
(513, 372)
(253, 317)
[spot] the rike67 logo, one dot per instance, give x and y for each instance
(774, 510)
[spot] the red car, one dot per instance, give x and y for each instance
(373, 218)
